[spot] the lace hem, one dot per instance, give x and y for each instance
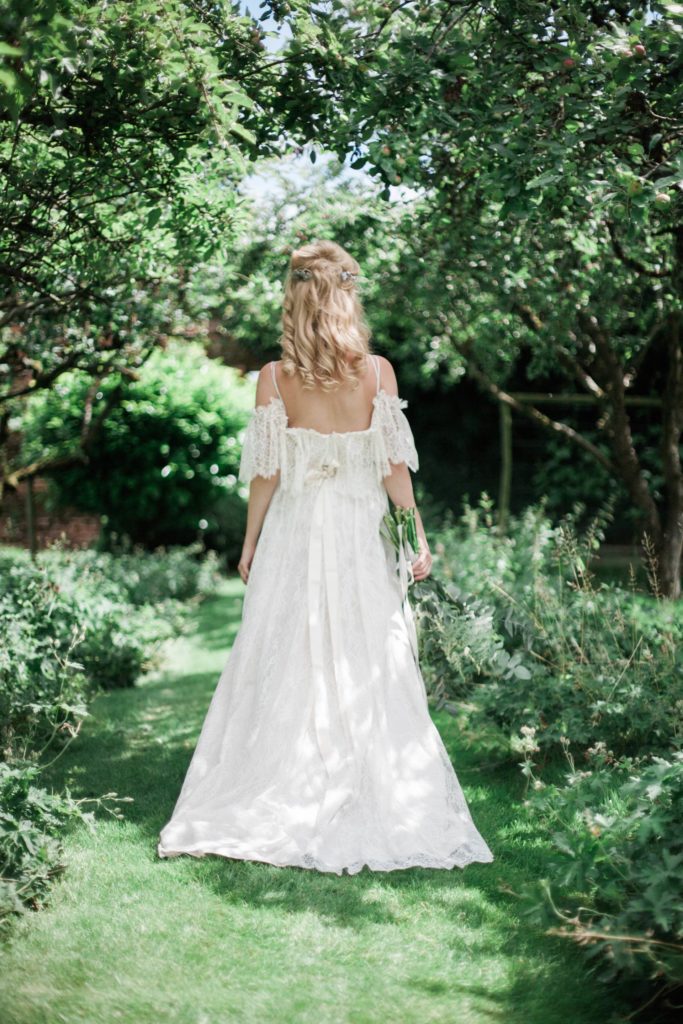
(458, 858)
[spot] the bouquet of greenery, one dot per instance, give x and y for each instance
(400, 529)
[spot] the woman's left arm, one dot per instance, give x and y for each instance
(261, 488)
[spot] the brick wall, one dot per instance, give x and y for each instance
(75, 529)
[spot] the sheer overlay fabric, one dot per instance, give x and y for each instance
(318, 749)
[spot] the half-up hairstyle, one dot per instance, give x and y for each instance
(325, 338)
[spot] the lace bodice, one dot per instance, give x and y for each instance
(353, 458)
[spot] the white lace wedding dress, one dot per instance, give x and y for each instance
(318, 749)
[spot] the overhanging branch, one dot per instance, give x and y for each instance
(535, 415)
(631, 261)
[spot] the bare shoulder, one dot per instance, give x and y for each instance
(387, 376)
(265, 388)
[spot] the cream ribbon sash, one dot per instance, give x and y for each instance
(338, 747)
(334, 688)
(405, 575)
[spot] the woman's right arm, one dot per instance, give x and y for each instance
(399, 485)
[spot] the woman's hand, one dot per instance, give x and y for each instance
(246, 558)
(422, 566)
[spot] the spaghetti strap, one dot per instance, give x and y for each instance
(376, 358)
(272, 371)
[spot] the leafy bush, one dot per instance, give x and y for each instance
(43, 687)
(615, 883)
(132, 573)
(167, 454)
(78, 620)
(70, 623)
(142, 577)
(543, 644)
(537, 657)
(31, 821)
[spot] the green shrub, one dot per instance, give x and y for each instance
(44, 688)
(31, 822)
(70, 623)
(132, 573)
(74, 621)
(530, 638)
(118, 645)
(61, 638)
(519, 639)
(167, 455)
(615, 882)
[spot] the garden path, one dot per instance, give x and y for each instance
(130, 938)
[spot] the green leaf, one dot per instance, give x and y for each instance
(244, 133)
(547, 178)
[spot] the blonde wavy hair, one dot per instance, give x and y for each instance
(325, 338)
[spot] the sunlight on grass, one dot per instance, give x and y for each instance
(134, 939)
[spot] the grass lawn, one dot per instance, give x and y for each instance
(132, 938)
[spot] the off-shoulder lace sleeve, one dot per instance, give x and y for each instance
(396, 438)
(263, 445)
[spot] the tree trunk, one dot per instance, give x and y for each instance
(669, 552)
(505, 466)
(671, 543)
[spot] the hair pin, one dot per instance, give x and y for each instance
(303, 274)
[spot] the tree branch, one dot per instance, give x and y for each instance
(533, 321)
(538, 417)
(630, 261)
(45, 380)
(673, 425)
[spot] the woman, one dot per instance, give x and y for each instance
(318, 749)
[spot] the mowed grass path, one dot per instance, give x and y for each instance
(132, 938)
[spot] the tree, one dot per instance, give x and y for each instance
(545, 139)
(124, 128)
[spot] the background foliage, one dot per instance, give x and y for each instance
(165, 467)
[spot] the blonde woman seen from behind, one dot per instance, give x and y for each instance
(318, 750)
